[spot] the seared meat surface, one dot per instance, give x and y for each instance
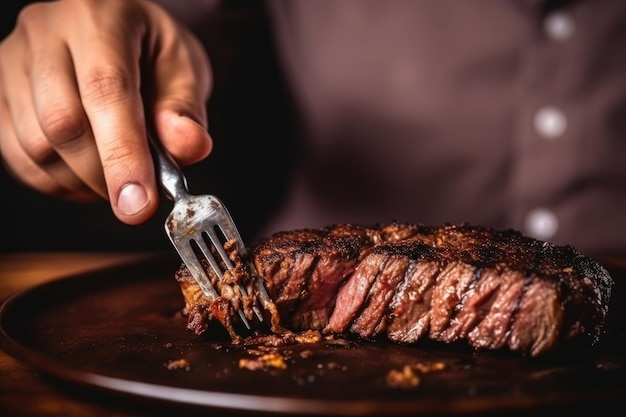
(493, 289)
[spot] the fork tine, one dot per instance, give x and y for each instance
(197, 219)
(190, 259)
(217, 269)
(220, 249)
(227, 231)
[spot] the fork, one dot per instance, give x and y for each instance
(203, 221)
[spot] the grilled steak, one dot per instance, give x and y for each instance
(492, 289)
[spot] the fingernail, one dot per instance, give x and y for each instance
(132, 199)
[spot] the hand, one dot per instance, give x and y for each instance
(79, 80)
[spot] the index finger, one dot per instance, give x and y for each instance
(108, 78)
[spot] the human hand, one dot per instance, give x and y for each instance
(79, 80)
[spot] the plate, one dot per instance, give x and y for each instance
(121, 331)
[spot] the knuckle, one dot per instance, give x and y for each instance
(29, 21)
(63, 125)
(38, 149)
(30, 13)
(107, 85)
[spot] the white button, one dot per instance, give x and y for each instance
(559, 26)
(550, 122)
(541, 224)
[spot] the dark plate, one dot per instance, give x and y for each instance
(118, 330)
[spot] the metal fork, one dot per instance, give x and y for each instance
(201, 220)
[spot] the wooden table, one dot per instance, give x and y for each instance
(23, 390)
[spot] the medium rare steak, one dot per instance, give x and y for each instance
(492, 289)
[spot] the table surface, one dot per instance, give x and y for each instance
(24, 391)
(27, 392)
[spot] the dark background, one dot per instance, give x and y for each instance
(250, 118)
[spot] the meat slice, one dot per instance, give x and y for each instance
(450, 287)
(371, 320)
(475, 304)
(535, 327)
(493, 330)
(409, 313)
(307, 268)
(354, 293)
(493, 289)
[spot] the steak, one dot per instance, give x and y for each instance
(492, 289)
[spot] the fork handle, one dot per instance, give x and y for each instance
(173, 182)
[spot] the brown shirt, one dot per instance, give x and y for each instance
(502, 113)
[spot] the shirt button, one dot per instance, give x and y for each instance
(559, 26)
(541, 224)
(550, 122)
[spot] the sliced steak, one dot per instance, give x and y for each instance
(493, 289)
